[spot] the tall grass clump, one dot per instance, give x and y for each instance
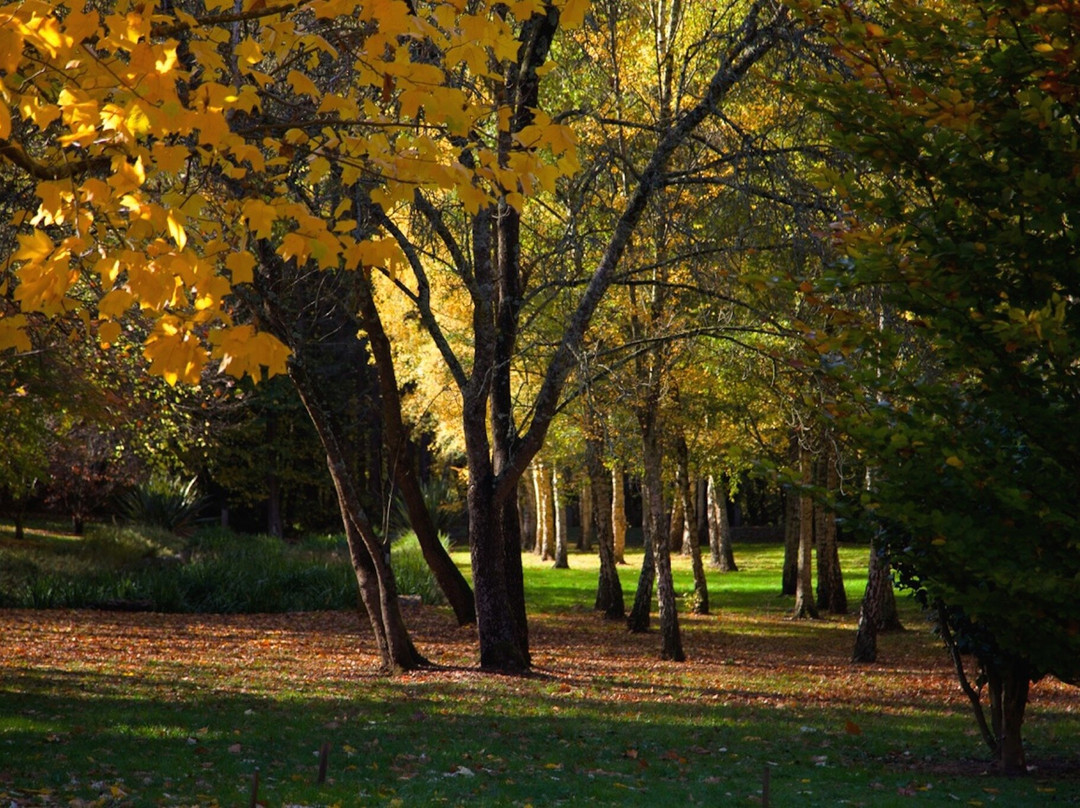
(411, 571)
(167, 503)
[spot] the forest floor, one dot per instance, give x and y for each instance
(105, 708)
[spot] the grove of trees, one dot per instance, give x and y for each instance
(829, 245)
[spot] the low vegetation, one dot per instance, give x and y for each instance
(141, 708)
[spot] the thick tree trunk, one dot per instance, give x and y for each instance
(558, 510)
(878, 611)
(723, 555)
(804, 589)
(618, 515)
(831, 596)
(402, 449)
(1009, 682)
(369, 557)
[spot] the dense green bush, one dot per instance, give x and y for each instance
(169, 504)
(215, 570)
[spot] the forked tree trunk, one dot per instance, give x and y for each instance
(618, 515)
(804, 589)
(403, 452)
(369, 558)
(1008, 682)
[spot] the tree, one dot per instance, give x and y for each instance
(967, 115)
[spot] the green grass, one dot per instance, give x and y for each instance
(107, 709)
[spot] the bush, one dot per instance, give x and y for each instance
(166, 503)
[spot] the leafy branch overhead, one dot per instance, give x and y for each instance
(162, 145)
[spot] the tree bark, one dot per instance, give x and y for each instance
(723, 555)
(831, 596)
(609, 593)
(545, 513)
(527, 507)
(587, 537)
(700, 604)
(558, 510)
(618, 515)
(790, 576)
(638, 619)
(1009, 683)
(369, 557)
(804, 589)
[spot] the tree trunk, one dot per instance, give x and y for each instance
(831, 596)
(545, 513)
(527, 506)
(1008, 682)
(790, 576)
(700, 604)
(638, 619)
(558, 510)
(403, 452)
(701, 512)
(369, 557)
(675, 531)
(723, 555)
(804, 589)
(609, 593)
(670, 638)
(618, 515)
(587, 537)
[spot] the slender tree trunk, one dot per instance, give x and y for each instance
(701, 512)
(790, 576)
(831, 596)
(804, 590)
(670, 637)
(700, 603)
(403, 454)
(545, 513)
(558, 510)
(527, 506)
(638, 619)
(618, 515)
(588, 528)
(369, 556)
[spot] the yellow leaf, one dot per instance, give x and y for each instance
(34, 247)
(5, 120)
(573, 13)
(108, 332)
(241, 265)
(260, 217)
(176, 229)
(116, 302)
(954, 461)
(302, 85)
(174, 353)
(242, 350)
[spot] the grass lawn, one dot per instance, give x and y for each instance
(131, 709)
